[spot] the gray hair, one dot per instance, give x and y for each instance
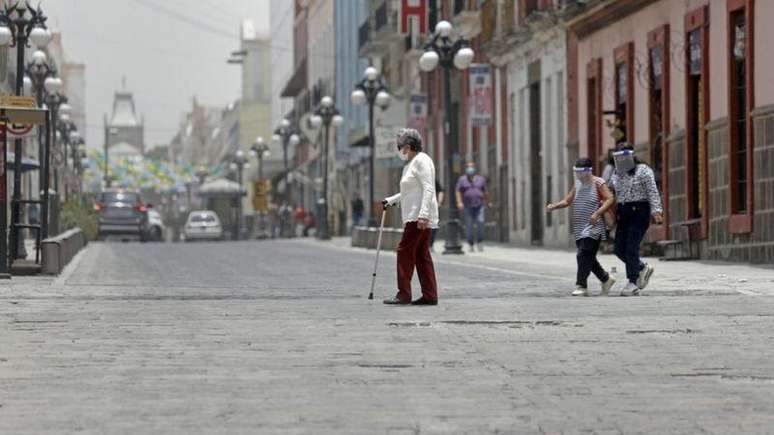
(407, 136)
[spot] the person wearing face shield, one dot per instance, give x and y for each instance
(419, 211)
(472, 198)
(590, 199)
(639, 203)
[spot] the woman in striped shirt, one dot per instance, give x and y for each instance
(639, 202)
(590, 199)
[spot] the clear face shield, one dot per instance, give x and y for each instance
(624, 161)
(582, 174)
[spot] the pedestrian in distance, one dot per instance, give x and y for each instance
(358, 208)
(590, 200)
(440, 195)
(639, 203)
(472, 199)
(419, 212)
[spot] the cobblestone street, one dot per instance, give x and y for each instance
(278, 337)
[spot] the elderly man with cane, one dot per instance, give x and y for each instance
(419, 210)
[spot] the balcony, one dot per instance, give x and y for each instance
(467, 17)
(378, 34)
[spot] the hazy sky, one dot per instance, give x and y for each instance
(168, 50)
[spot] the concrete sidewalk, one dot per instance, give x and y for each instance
(670, 277)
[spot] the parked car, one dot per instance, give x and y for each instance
(203, 225)
(156, 229)
(121, 213)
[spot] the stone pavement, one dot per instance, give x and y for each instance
(671, 277)
(277, 337)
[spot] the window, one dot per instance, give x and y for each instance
(657, 111)
(624, 94)
(432, 14)
(658, 114)
(527, 7)
(739, 113)
(594, 112)
(740, 89)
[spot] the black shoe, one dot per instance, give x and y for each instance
(396, 301)
(423, 301)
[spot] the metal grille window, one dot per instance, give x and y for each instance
(621, 99)
(739, 112)
(657, 113)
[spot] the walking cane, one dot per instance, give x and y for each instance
(378, 248)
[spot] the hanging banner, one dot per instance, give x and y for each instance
(417, 112)
(481, 102)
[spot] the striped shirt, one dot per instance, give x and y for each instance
(587, 201)
(640, 187)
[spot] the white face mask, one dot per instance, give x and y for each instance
(402, 156)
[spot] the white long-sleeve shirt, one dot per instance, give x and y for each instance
(417, 191)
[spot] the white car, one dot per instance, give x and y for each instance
(203, 225)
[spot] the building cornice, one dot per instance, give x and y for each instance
(605, 14)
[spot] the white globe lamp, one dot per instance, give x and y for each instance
(428, 61)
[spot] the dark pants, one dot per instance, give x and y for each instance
(633, 222)
(587, 262)
(414, 251)
(433, 233)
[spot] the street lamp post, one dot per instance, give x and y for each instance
(325, 115)
(55, 101)
(20, 25)
(65, 128)
(442, 48)
(43, 80)
(287, 136)
(373, 90)
(260, 150)
(238, 164)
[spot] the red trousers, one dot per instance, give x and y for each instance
(414, 251)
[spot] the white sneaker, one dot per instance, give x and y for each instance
(580, 291)
(607, 285)
(644, 276)
(471, 248)
(630, 289)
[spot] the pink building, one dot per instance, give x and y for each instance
(682, 81)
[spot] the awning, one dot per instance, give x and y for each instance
(28, 164)
(221, 187)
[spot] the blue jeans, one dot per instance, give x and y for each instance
(474, 216)
(633, 222)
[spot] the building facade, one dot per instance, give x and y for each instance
(683, 81)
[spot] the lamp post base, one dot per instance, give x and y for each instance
(323, 232)
(452, 245)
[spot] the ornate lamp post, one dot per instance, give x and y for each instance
(20, 25)
(260, 150)
(325, 115)
(239, 164)
(373, 90)
(442, 48)
(42, 81)
(287, 136)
